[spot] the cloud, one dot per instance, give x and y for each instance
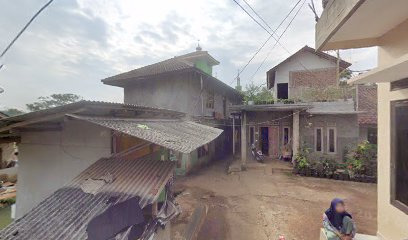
(74, 44)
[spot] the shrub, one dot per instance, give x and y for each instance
(301, 158)
(362, 160)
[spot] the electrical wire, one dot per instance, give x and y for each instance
(23, 29)
(270, 34)
(277, 40)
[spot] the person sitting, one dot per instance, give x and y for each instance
(337, 222)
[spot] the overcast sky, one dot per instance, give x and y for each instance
(74, 44)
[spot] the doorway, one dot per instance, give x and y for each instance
(265, 140)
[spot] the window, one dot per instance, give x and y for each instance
(210, 100)
(283, 91)
(251, 135)
(331, 140)
(399, 153)
(286, 135)
(318, 139)
(270, 79)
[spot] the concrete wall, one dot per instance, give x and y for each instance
(266, 119)
(180, 92)
(347, 133)
(305, 59)
(392, 222)
(48, 160)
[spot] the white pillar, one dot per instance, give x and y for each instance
(243, 139)
(296, 135)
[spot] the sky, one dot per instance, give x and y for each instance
(74, 44)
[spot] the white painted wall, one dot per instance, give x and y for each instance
(303, 60)
(49, 160)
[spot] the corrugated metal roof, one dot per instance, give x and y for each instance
(179, 135)
(169, 65)
(66, 213)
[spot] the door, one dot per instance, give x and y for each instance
(265, 140)
(273, 141)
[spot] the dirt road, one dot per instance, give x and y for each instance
(259, 204)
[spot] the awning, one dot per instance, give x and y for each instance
(66, 213)
(176, 134)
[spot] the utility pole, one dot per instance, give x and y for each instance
(338, 67)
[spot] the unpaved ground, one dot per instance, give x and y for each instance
(259, 204)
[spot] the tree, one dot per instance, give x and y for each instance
(257, 94)
(11, 112)
(53, 100)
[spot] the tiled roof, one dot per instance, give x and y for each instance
(179, 135)
(343, 64)
(367, 103)
(66, 213)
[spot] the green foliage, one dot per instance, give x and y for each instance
(53, 100)
(8, 201)
(258, 95)
(13, 112)
(346, 74)
(327, 94)
(301, 158)
(362, 159)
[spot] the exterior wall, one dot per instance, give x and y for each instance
(304, 60)
(7, 153)
(48, 160)
(181, 93)
(347, 131)
(300, 81)
(392, 222)
(191, 162)
(266, 119)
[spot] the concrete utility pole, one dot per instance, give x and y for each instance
(233, 135)
(243, 140)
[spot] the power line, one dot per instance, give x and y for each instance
(24, 28)
(270, 34)
(277, 40)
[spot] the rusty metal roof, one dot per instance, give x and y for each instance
(176, 134)
(66, 213)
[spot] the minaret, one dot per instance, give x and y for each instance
(238, 87)
(198, 48)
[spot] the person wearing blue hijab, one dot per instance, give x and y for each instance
(337, 222)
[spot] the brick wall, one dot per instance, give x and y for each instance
(367, 103)
(305, 79)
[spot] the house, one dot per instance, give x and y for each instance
(184, 83)
(57, 144)
(305, 69)
(296, 121)
(7, 148)
(363, 23)
(366, 103)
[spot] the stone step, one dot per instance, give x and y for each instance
(357, 237)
